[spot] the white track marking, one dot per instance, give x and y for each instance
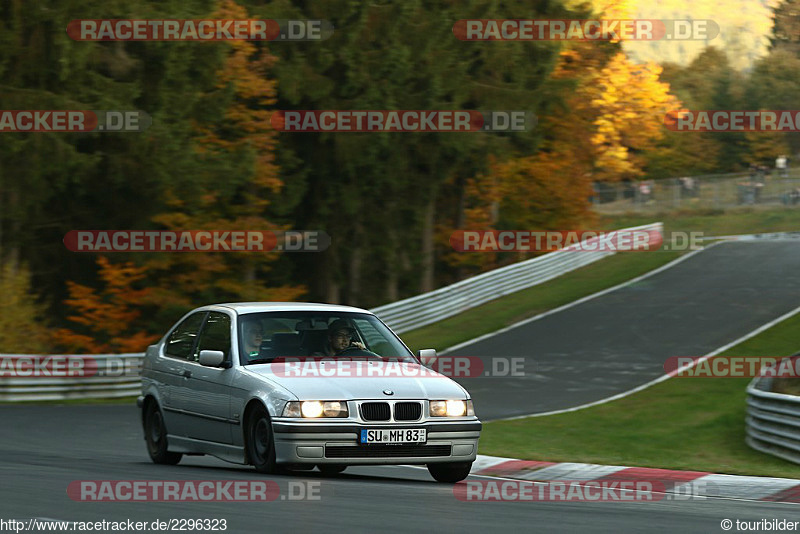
(581, 300)
(663, 377)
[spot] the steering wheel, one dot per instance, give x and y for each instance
(353, 350)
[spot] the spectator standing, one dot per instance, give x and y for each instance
(780, 166)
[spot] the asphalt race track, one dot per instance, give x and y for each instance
(44, 448)
(587, 352)
(621, 340)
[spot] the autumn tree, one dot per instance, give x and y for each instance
(236, 147)
(104, 319)
(773, 85)
(630, 102)
(786, 27)
(23, 325)
(382, 196)
(545, 186)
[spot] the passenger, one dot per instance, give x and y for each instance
(253, 335)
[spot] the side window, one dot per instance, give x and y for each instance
(181, 341)
(216, 335)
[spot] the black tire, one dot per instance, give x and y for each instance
(331, 469)
(289, 468)
(259, 441)
(155, 434)
(450, 472)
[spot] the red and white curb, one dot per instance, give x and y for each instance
(681, 482)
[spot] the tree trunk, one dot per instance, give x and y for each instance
(327, 270)
(250, 274)
(354, 276)
(426, 279)
(2, 211)
(13, 257)
(332, 292)
(461, 192)
(391, 266)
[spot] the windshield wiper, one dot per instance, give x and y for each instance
(260, 360)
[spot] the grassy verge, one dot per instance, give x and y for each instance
(683, 423)
(746, 220)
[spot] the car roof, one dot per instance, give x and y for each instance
(256, 307)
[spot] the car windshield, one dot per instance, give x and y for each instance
(263, 337)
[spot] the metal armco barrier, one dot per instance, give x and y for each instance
(106, 376)
(445, 302)
(773, 420)
(63, 377)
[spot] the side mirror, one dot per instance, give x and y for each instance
(211, 358)
(427, 357)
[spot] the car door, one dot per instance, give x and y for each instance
(205, 395)
(172, 367)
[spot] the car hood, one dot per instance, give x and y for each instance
(352, 380)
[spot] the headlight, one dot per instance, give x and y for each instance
(451, 408)
(311, 409)
(292, 409)
(334, 409)
(315, 409)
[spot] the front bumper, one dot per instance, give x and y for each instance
(337, 443)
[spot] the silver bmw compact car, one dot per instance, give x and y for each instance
(295, 385)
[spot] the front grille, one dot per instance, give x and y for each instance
(407, 411)
(387, 451)
(375, 411)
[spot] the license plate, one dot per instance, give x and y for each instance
(393, 435)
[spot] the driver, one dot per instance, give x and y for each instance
(341, 336)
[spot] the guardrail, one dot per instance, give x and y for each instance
(451, 300)
(94, 376)
(773, 420)
(117, 375)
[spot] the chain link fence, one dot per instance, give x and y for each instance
(752, 188)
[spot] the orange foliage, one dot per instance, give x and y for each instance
(247, 120)
(630, 104)
(616, 111)
(106, 317)
(245, 132)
